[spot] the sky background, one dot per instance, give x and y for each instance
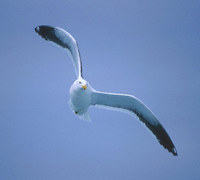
(146, 48)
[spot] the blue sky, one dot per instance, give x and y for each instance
(149, 49)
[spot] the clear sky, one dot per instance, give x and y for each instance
(147, 48)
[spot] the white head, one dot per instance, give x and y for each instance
(80, 85)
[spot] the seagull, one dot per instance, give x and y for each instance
(82, 95)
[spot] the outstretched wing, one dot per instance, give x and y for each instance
(65, 40)
(128, 103)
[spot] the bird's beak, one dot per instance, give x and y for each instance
(84, 87)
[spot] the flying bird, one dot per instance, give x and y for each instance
(82, 95)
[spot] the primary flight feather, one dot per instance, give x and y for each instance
(82, 95)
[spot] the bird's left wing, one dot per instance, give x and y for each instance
(65, 40)
(128, 103)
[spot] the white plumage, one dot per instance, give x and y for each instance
(82, 95)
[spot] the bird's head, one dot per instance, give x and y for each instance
(81, 85)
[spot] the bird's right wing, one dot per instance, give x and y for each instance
(131, 104)
(64, 39)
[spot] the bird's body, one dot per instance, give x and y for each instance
(80, 98)
(82, 95)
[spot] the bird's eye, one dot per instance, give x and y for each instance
(79, 82)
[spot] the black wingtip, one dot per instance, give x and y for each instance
(174, 151)
(161, 134)
(44, 31)
(37, 29)
(43, 28)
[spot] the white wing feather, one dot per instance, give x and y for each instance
(131, 104)
(63, 39)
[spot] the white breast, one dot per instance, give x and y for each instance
(80, 99)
